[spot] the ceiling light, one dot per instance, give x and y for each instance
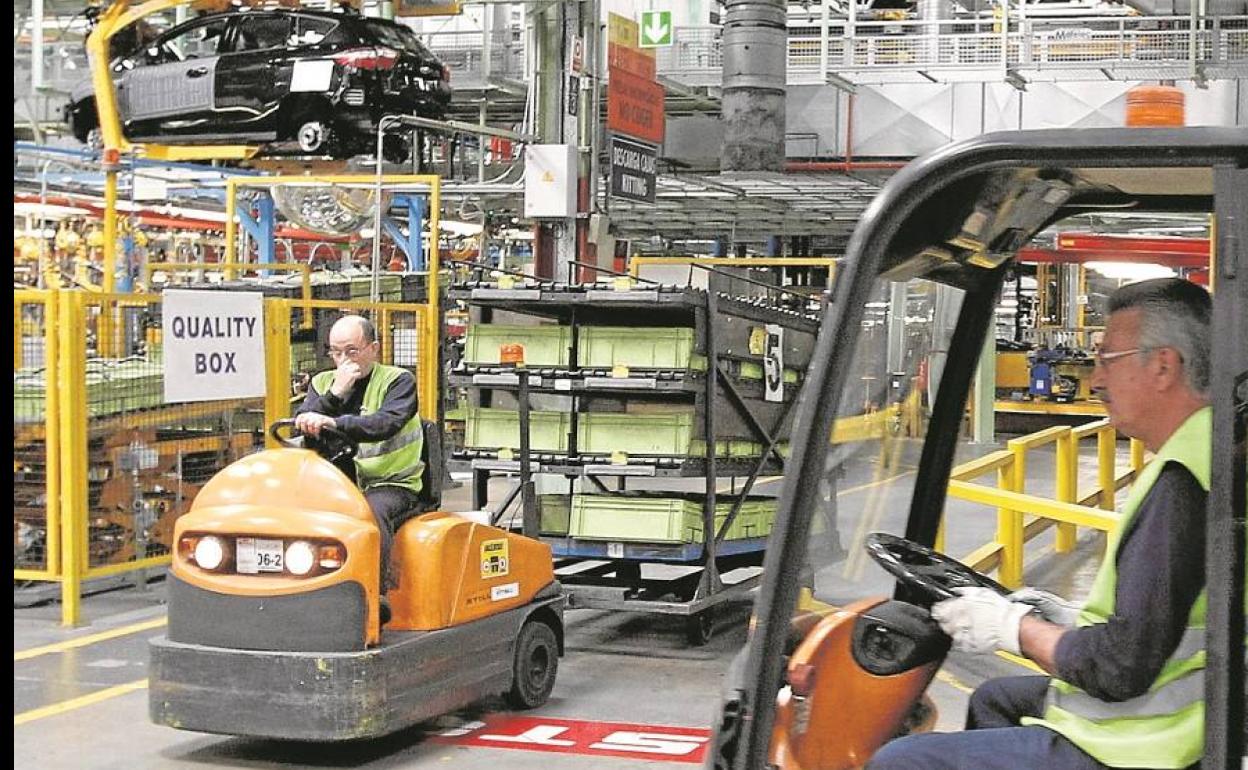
(1131, 271)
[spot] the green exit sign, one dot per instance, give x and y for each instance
(656, 28)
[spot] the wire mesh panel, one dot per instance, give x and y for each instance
(399, 330)
(34, 472)
(146, 460)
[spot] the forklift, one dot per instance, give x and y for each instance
(277, 626)
(842, 646)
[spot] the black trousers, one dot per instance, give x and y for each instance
(391, 507)
(993, 740)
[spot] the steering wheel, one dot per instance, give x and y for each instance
(332, 444)
(931, 574)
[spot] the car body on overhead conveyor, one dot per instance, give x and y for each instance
(826, 689)
(316, 82)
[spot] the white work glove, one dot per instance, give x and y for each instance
(981, 620)
(1053, 608)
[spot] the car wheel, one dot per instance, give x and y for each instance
(535, 666)
(313, 136)
(700, 627)
(394, 149)
(95, 139)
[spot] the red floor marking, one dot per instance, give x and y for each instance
(572, 736)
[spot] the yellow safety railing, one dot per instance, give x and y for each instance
(36, 437)
(1066, 509)
(103, 467)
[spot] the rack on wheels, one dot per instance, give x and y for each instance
(663, 409)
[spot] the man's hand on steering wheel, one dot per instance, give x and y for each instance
(981, 620)
(311, 423)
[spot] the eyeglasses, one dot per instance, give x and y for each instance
(1103, 358)
(348, 352)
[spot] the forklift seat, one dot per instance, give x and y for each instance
(434, 474)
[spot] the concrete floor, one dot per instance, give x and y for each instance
(86, 706)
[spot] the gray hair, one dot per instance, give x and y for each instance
(1174, 313)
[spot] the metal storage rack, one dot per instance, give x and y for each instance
(607, 574)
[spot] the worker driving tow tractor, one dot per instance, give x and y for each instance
(374, 405)
(277, 586)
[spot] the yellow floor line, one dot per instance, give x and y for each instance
(83, 641)
(851, 490)
(1018, 660)
(877, 483)
(77, 703)
(954, 682)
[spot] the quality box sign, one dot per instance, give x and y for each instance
(213, 345)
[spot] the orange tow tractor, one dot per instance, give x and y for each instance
(276, 624)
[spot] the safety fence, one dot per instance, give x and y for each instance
(1023, 515)
(103, 466)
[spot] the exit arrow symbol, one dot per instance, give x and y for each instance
(655, 29)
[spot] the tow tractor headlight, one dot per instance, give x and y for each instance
(209, 552)
(300, 557)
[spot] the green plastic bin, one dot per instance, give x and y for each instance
(654, 519)
(668, 434)
(554, 514)
(633, 519)
(543, 345)
(638, 347)
(500, 429)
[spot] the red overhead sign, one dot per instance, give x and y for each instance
(630, 59)
(635, 106)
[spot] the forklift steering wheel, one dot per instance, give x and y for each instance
(932, 574)
(333, 444)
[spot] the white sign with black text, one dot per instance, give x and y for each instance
(633, 170)
(773, 363)
(213, 345)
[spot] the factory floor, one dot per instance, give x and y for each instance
(631, 690)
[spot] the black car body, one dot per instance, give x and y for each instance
(320, 81)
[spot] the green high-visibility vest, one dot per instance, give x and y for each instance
(396, 461)
(1164, 727)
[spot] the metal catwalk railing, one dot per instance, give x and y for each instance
(982, 50)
